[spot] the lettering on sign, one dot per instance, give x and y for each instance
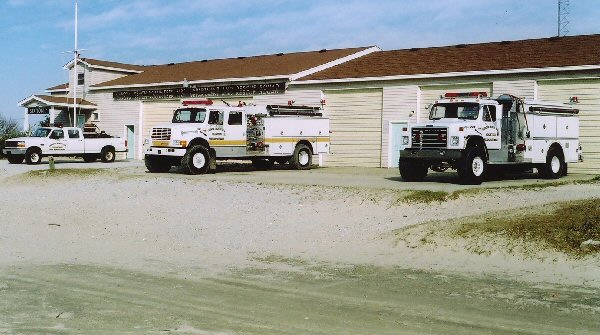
(38, 110)
(200, 92)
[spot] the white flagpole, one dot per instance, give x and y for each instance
(75, 60)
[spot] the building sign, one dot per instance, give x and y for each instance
(200, 92)
(38, 110)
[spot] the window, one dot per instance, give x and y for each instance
(192, 115)
(235, 118)
(57, 134)
(466, 111)
(216, 117)
(489, 113)
(80, 78)
(95, 116)
(73, 133)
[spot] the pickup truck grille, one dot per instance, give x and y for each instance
(429, 137)
(161, 134)
(10, 144)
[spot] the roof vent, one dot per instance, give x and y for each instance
(322, 51)
(505, 42)
(241, 57)
(414, 49)
(204, 61)
(460, 46)
(170, 64)
(280, 54)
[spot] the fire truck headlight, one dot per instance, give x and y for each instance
(454, 140)
(178, 143)
(405, 140)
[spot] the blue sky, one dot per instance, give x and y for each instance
(35, 33)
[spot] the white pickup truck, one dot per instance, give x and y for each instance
(67, 141)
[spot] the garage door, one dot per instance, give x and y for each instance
(588, 94)
(156, 113)
(355, 124)
(429, 94)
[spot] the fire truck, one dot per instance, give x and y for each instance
(478, 135)
(200, 133)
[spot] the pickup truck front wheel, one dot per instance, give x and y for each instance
(107, 155)
(196, 160)
(33, 156)
(156, 164)
(15, 159)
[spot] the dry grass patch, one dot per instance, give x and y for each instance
(563, 228)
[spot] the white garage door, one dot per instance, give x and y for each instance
(429, 94)
(588, 94)
(157, 112)
(355, 124)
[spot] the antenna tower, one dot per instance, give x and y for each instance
(563, 17)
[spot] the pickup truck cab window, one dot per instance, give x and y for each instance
(189, 115)
(57, 134)
(464, 111)
(73, 133)
(41, 132)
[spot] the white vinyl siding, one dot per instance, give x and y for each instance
(355, 124)
(300, 98)
(588, 94)
(399, 103)
(520, 88)
(430, 94)
(157, 112)
(97, 76)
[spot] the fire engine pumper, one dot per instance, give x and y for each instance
(201, 133)
(476, 135)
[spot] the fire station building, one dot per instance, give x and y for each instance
(368, 94)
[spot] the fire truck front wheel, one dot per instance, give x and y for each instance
(302, 157)
(156, 164)
(555, 166)
(472, 168)
(196, 160)
(412, 170)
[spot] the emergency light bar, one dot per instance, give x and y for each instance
(207, 102)
(464, 95)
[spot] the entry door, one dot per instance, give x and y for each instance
(80, 120)
(396, 134)
(130, 142)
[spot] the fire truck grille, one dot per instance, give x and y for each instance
(10, 144)
(429, 137)
(161, 133)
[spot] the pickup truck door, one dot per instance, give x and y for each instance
(74, 141)
(56, 143)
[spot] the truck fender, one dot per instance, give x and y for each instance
(308, 144)
(477, 141)
(200, 141)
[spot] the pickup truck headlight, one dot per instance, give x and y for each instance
(405, 140)
(20, 144)
(454, 140)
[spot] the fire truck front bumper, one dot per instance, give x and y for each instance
(433, 155)
(165, 151)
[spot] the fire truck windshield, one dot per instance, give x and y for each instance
(189, 115)
(463, 111)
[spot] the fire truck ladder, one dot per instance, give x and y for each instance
(283, 110)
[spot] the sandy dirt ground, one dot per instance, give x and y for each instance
(118, 250)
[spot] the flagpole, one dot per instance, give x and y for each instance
(75, 61)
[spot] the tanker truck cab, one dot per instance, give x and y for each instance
(472, 133)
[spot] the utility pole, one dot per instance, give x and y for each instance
(563, 17)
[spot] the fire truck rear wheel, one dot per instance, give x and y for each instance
(196, 160)
(302, 157)
(555, 165)
(412, 170)
(156, 164)
(15, 159)
(473, 166)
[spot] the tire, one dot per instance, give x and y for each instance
(301, 158)
(263, 164)
(412, 170)
(196, 160)
(107, 155)
(473, 167)
(15, 159)
(33, 156)
(555, 166)
(156, 164)
(89, 158)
